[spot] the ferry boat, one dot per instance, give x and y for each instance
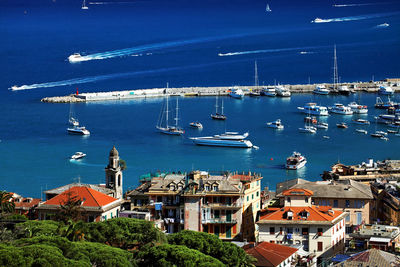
(295, 161)
(196, 124)
(313, 109)
(342, 125)
(386, 105)
(385, 90)
(321, 90)
(357, 108)
(275, 124)
(282, 91)
(228, 139)
(362, 131)
(236, 93)
(81, 130)
(76, 57)
(361, 122)
(340, 109)
(78, 155)
(268, 91)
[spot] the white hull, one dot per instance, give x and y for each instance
(170, 131)
(308, 130)
(211, 141)
(235, 95)
(313, 111)
(78, 131)
(341, 112)
(297, 166)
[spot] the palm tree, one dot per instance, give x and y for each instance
(6, 203)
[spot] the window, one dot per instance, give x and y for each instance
(272, 230)
(257, 194)
(207, 188)
(289, 230)
(247, 198)
(257, 205)
(347, 203)
(335, 203)
(348, 218)
(258, 182)
(304, 231)
(288, 199)
(359, 204)
(215, 187)
(319, 231)
(216, 214)
(252, 196)
(320, 245)
(306, 199)
(280, 230)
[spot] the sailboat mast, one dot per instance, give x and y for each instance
(335, 70)
(255, 74)
(166, 113)
(216, 105)
(176, 118)
(222, 108)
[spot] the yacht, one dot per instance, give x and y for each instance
(228, 139)
(166, 128)
(357, 108)
(386, 105)
(275, 124)
(236, 93)
(78, 155)
(362, 131)
(344, 90)
(76, 57)
(313, 109)
(361, 122)
(321, 90)
(342, 125)
(295, 161)
(268, 91)
(282, 91)
(341, 109)
(81, 130)
(196, 124)
(385, 90)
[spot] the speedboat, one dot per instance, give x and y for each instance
(384, 138)
(385, 90)
(381, 132)
(196, 124)
(341, 109)
(236, 93)
(282, 91)
(268, 91)
(228, 139)
(14, 87)
(322, 125)
(361, 131)
(295, 161)
(275, 124)
(318, 20)
(321, 90)
(78, 155)
(358, 109)
(342, 125)
(76, 57)
(308, 129)
(313, 109)
(377, 134)
(361, 122)
(78, 130)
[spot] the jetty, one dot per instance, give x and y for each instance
(371, 87)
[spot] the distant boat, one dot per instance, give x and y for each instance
(168, 129)
(313, 109)
(196, 124)
(362, 131)
(78, 155)
(76, 57)
(340, 109)
(322, 125)
(217, 115)
(275, 124)
(295, 161)
(84, 6)
(268, 91)
(72, 120)
(383, 25)
(321, 90)
(267, 8)
(236, 93)
(342, 125)
(227, 139)
(282, 91)
(80, 130)
(319, 20)
(361, 122)
(385, 90)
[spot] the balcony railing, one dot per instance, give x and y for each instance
(218, 220)
(237, 204)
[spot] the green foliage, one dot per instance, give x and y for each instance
(6, 203)
(71, 209)
(36, 228)
(122, 164)
(124, 232)
(174, 255)
(227, 253)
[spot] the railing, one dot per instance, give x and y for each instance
(218, 220)
(237, 204)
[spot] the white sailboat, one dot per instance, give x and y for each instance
(84, 6)
(167, 129)
(72, 120)
(74, 127)
(218, 116)
(267, 9)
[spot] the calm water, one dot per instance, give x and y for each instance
(179, 42)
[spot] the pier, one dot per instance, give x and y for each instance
(370, 87)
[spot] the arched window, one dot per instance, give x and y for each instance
(119, 180)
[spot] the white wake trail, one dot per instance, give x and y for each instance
(352, 18)
(269, 51)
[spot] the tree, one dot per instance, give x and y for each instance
(122, 164)
(7, 204)
(71, 209)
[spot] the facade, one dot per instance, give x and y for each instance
(319, 229)
(387, 202)
(383, 237)
(355, 198)
(223, 204)
(25, 205)
(272, 255)
(369, 258)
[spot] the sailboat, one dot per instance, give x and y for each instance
(74, 127)
(218, 116)
(267, 9)
(167, 129)
(255, 92)
(343, 89)
(307, 127)
(84, 6)
(72, 120)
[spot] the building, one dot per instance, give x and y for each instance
(355, 198)
(25, 205)
(369, 258)
(383, 237)
(319, 229)
(272, 255)
(224, 204)
(387, 201)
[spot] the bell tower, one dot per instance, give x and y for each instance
(114, 173)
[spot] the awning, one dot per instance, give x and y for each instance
(379, 239)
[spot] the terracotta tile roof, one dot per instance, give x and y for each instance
(297, 192)
(89, 196)
(371, 257)
(269, 254)
(26, 203)
(315, 213)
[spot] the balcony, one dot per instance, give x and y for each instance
(218, 220)
(225, 206)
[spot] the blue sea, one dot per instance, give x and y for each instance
(145, 44)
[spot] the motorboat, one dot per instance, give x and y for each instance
(361, 122)
(76, 57)
(228, 139)
(385, 90)
(381, 132)
(386, 105)
(341, 109)
(308, 129)
(254, 93)
(393, 131)
(313, 109)
(384, 138)
(275, 124)
(318, 20)
(268, 91)
(362, 131)
(295, 161)
(322, 125)
(383, 25)
(321, 90)
(357, 108)
(163, 126)
(342, 125)
(78, 155)
(81, 130)
(196, 124)
(344, 90)
(232, 136)
(236, 93)
(282, 91)
(377, 135)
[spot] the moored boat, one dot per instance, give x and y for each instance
(78, 155)
(385, 90)
(236, 93)
(313, 109)
(196, 124)
(322, 125)
(275, 124)
(357, 108)
(295, 161)
(227, 139)
(362, 131)
(342, 125)
(386, 105)
(308, 129)
(282, 91)
(361, 122)
(321, 90)
(340, 109)
(268, 91)
(80, 130)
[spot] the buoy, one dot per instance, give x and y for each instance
(271, 158)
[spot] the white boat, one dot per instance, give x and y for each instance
(388, 119)
(342, 125)
(282, 91)
(318, 20)
(196, 124)
(344, 90)
(78, 155)
(84, 6)
(321, 90)
(295, 161)
(81, 130)
(76, 57)
(313, 109)
(385, 90)
(384, 138)
(377, 135)
(268, 91)
(308, 129)
(322, 125)
(168, 129)
(383, 25)
(236, 93)
(267, 8)
(228, 139)
(357, 108)
(217, 115)
(362, 131)
(232, 136)
(361, 122)
(275, 124)
(72, 120)
(341, 109)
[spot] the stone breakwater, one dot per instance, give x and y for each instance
(189, 91)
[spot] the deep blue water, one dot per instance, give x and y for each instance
(38, 36)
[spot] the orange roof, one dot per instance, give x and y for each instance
(26, 202)
(315, 213)
(297, 192)
(269, 254)
(89, 196)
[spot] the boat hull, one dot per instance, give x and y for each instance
(78, 132)
(218, 117)
(297, 166)
(170, 131)
(209, 141)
